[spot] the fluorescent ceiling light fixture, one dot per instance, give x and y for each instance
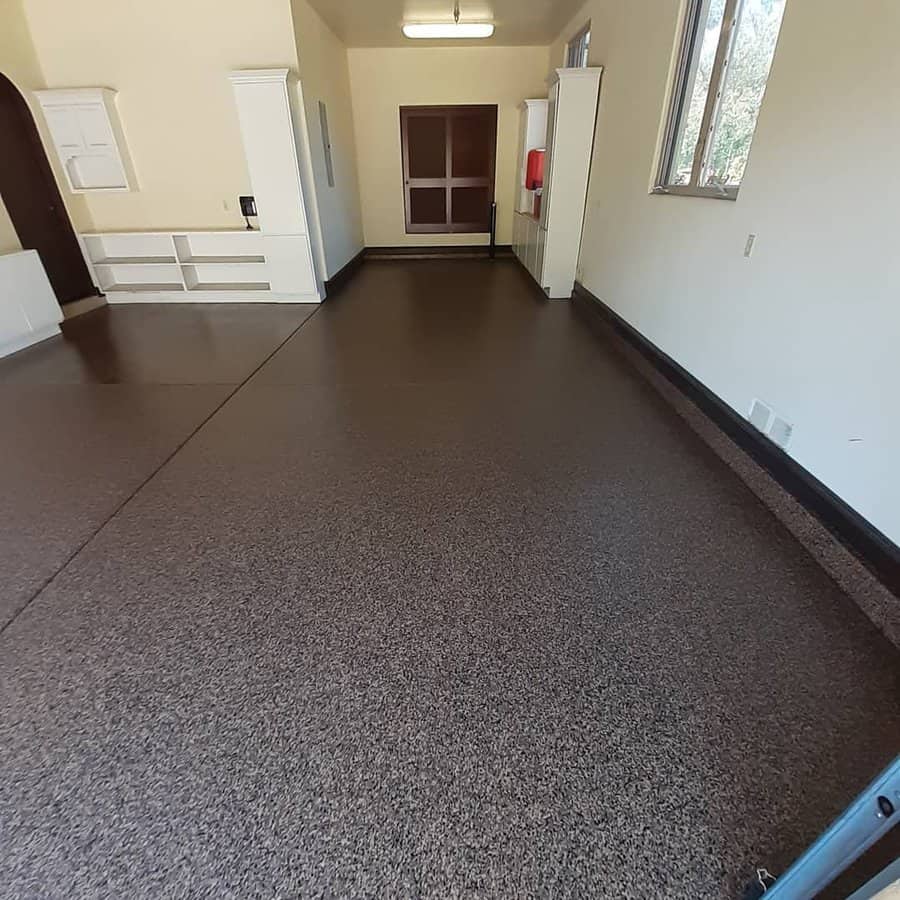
(454, 29)
(449, 30)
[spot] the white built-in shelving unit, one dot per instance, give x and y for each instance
(273, 264)
(526, 226)
(201, 265)
(548, 246)
(532, 136)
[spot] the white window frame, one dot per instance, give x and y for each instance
(580, 41)
(694, 17)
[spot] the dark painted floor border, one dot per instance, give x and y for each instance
(344, 274)
(440, 252)
(878, 553)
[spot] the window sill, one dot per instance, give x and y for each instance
(708, 193)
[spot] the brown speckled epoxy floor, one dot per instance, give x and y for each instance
(443, 601)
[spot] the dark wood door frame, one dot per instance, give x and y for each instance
(33, 201)
(449, 182)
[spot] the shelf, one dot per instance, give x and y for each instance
(221, 260)
(135, 261)
(233, 286)
(137, 288)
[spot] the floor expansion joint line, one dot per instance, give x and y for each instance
(48, 581)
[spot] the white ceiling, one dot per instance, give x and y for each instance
(376, 23)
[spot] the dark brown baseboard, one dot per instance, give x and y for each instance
(873, 548)
(344, 274)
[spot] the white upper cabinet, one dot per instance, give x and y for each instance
(267, 130)
(88, 137)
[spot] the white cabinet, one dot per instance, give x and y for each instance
(540, 246)
(573, 104)
(264, 112)
(263, 98)
(528, 244)
(550, 252)
(28, 309)
(88, 138)
(531, 230)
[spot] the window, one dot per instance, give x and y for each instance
(578, 48)
(727, 51)
(448, 167)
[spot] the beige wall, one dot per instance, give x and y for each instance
(383, 80)
(19, 63)
(325, 76)
(169, 61)
(810, 324)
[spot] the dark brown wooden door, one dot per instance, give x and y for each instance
(449, 155)
(33, 201)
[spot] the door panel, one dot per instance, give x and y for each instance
(540, 240)
(94, 126)
(427, 147)
(471, 207)
(428, 206)
(64, 128)
(32, 198)
(472, 146)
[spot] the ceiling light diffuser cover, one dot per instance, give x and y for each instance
(449, 30)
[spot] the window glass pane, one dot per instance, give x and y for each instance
(742, 93)
(427, 146)
(578, 48)
(696, 90)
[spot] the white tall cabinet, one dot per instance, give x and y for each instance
(549, 247)
(532, 136)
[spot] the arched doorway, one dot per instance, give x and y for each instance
(33, 201)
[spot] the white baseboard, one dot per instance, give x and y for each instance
(208, 297)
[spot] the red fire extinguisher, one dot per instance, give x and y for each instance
(534, 174)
